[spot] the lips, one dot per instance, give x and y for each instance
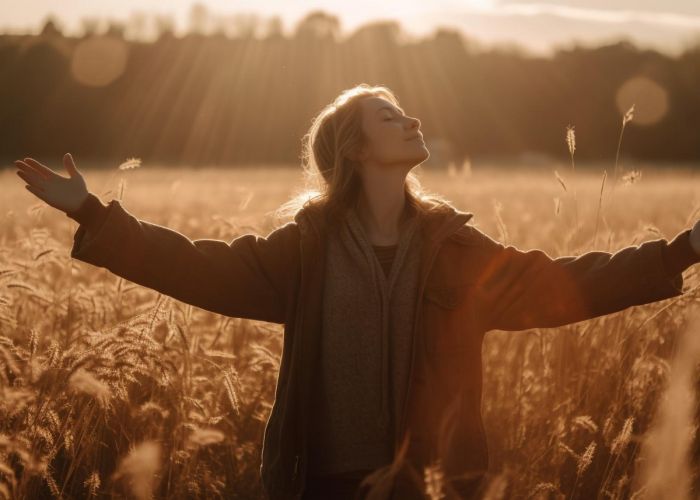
(415, 136)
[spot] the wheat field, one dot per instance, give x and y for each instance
(111, 390)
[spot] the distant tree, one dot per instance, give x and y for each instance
(51, 27)
(245, 25)
(219, 27)
(137, 26)
(199, 19)
(381, 33)
(274, 29)
(165, 26)
(90, 25)
(318, 26)
(450, 41)
(116, 29)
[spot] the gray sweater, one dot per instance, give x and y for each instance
(365, 347)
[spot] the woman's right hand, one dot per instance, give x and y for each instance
(66, 194)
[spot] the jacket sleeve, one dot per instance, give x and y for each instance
(246, 278)
(530, 289)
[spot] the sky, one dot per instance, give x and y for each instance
(538, 26)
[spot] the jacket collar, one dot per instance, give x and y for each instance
(437, 224)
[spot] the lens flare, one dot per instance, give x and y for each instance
(98, 61)
(649, 98)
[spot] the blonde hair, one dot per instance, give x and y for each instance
(332, 180)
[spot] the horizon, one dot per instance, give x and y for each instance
(670, 28)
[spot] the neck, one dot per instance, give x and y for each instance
(381, 208)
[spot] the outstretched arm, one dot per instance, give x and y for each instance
(529, 289)
(248, 277)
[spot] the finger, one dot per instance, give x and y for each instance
(31, 178)
(27, 168)
(41, 168)
(38, 192)
(69, 165)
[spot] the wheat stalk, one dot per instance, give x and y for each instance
(600, 203)
(626, 118)
(571, 143)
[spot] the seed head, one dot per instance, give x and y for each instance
(571, 139)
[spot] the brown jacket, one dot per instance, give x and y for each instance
(469, 284)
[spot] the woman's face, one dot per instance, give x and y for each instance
(392, 137)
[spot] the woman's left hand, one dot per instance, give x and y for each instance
(695, 237)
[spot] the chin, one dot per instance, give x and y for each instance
(421, 158)
(417, 163)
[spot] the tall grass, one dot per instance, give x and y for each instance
(109, 389)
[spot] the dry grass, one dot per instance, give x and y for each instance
(109, 389)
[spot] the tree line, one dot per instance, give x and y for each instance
(203, 99)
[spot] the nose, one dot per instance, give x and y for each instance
(413, 123)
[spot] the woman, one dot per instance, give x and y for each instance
(385, 294)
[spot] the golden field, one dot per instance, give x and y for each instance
(108, 389)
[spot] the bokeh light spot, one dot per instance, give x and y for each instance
(649, 98)
(98, 61)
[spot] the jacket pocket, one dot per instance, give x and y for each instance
(448, 316)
